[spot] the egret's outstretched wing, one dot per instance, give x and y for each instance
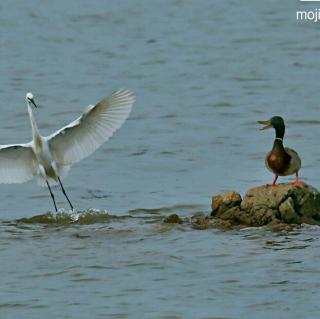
(95, 126)
(17, 163)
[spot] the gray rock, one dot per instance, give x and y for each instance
(288, 213)
(173, 219)
(284, 203)
(201, 221)
(224, 201)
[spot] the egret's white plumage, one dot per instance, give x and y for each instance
(96, 125)
(50, 158)
(17, 163)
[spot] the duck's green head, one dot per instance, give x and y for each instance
(277, 123)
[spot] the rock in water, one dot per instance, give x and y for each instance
(225, 201)
(173, 219)
(262, 205)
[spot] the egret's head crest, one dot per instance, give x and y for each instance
(29, 96)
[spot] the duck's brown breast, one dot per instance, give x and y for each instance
(278, 161)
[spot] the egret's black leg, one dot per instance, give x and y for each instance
(54, 202)
(64, 193)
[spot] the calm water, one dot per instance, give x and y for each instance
(204, 72)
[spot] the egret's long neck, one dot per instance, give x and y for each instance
(35, 131)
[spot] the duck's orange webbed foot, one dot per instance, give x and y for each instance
(273, 183)
(298, 183)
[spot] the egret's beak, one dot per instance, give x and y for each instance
(34, 103)
(266, 123)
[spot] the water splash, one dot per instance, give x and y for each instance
(65, 217)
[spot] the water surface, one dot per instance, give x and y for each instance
(204, 72)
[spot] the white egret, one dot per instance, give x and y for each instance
(50, 158)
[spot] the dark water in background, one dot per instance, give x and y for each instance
(204, 72)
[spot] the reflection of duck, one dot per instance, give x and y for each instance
(282, 161)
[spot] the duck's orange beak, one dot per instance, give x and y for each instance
(266, 123)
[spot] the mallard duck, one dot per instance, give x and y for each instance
(282, 161)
